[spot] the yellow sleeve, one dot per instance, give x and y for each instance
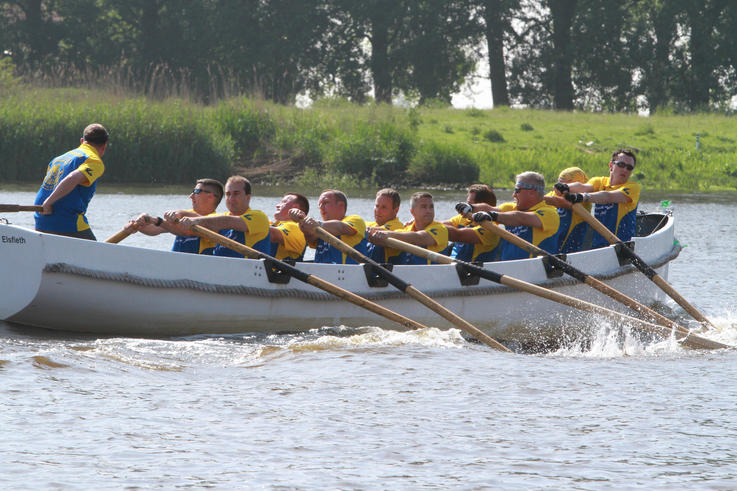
(258, 226)
(440, 234)
(599, 183)
(294, 239)
(507, 207)
(631, 189)
(357, 224)
(92, 168)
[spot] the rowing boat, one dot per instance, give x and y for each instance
(75, 285)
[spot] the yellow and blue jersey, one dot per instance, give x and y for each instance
(69, 211)
(382, 254)
(438, 231)
(325, 253)
(545, 238)
(619, 218)
(193, 244)
(572, 229)
(294, 241)
(484, 251)
(257, 236)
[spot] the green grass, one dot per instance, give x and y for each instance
(338, 143)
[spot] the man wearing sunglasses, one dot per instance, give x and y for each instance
(615, 197)
(529, 217)
(205, 198)
(241, 223)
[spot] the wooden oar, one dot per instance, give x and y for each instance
(307, 278)
(640, 264)
(688, 339)
(14, 208)
(583, 277)
(120, 235)
(411, 291)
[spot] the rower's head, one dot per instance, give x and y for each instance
(529, 190)
(332, 204)
(572, 174)
(621, 166)
(481, 193)
(386, 205)
(206, 196)
(289, 201)
(237, 194)
(96, 135)
(422, 209)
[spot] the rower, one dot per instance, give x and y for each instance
(351, 229)
(386, 207)
(205, 198)
(615, 197)
(573, 228)
(471, 242)
(529, 217)
(287, 240)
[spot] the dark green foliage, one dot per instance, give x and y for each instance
(378, 153)
(494, 136)
(250, 129)
(148, 144)
(443, 164)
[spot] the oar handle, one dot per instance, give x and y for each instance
(15, 208)
(120, 235)
(308, 278)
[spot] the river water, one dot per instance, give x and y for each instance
(364, 408)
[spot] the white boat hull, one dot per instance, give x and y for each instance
(75, 285)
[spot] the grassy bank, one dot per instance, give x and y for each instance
(340, 144)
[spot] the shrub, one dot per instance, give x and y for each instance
(494, 136)
(378, 152)
(248, 127)
(526, 127)
(443, 164)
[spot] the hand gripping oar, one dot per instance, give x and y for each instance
(14, 208)
(583, 277)
(411, 291)
(307, 278)
(640, 264)
(688, 339)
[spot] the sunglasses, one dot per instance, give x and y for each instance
(624, 165)
(200, 190)
(523, 186)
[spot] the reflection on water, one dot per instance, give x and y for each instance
(366, 408)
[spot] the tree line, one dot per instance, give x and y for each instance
(601, 55)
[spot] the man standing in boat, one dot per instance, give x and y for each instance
(471, 242)
(572, 230)
(423, 231)
(205, 198)
(615, 197)
(287, 240)
(351, 229)
(241, 223)
(69, 185)
(386, 207)
(529, 217)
